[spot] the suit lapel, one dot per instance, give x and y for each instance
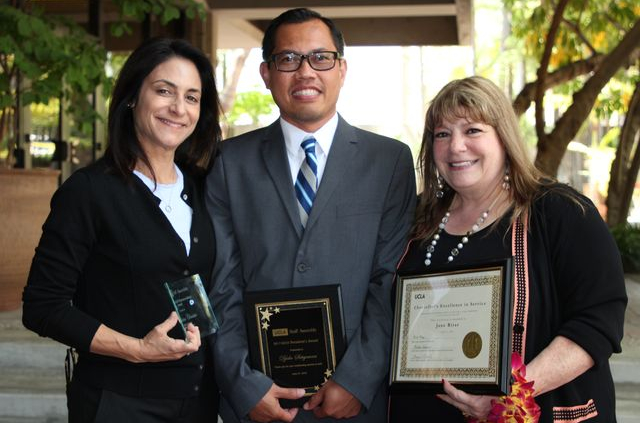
(274, 155)
(342, 153)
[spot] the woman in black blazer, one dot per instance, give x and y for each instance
(122, 227)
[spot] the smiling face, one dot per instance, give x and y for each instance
(307, 98)
(168, 105)
(469, 156)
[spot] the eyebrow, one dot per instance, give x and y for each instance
(315, 50)
(166, 81)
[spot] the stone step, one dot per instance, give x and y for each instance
(628, 402)
(32, 386)
(27, 407)
(32, 353)
(624, 369)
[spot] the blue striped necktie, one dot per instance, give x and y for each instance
(307, 180)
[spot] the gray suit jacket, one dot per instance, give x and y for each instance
(354, 236)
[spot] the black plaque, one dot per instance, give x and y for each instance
(453, 324)
(190, 301)
(296, 336)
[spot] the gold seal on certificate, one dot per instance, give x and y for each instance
(472, 344)
(296, 336)
(455, 325)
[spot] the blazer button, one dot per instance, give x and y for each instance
(186, 272)
(303, 267)
(184, 197)
(195, 240)
(196, 388)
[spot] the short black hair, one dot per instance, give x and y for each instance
(197, 151)
(293, 16)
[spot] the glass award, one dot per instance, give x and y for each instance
(191, 302)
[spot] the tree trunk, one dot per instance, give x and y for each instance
(551, 147)
(228, 94)
(4, 118)
(624, 169)
(543, 70)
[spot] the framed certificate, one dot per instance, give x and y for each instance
(454, 325)
(296, 336)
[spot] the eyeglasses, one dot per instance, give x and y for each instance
(318, 60)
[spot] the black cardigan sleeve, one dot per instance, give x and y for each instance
(587, 273)
(68, 235)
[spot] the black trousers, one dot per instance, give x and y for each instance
(87, 404)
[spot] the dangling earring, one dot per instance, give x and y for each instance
(506, 180)
(440, 186)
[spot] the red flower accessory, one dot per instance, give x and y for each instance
(520, 406)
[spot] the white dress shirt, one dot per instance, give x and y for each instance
(293, 137)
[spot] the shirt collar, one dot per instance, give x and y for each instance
(293, 136)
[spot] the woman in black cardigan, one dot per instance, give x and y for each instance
(122, 227)
(479, 190)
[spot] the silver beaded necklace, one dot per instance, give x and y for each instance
(463, 240)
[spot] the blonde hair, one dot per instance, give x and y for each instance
(480, 100)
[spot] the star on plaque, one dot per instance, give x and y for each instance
(266, 314)
(276, 310)
(317, 388)
(265, 325)
(328, 373)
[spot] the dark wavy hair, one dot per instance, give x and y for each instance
(293, 16)
(196, 153)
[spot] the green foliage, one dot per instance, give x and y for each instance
(610, 139)
(55, 57)
(166, 10)
(587, 28)
(252, 104)
(45, 115)
(627, 238)
(586, 25)
(617, 94)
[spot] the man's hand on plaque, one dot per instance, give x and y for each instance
(268, 409)
(332, 400)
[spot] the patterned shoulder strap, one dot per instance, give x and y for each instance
(521, 281)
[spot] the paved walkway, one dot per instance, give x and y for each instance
(32, 372)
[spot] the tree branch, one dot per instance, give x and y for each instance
(576, 30)
(544, 65)
(585, 98)
(569, 123)
(564, 74)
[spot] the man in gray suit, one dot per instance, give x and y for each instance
(308, 200)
